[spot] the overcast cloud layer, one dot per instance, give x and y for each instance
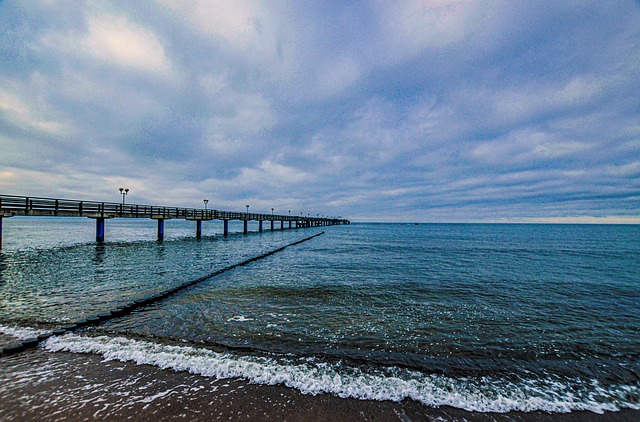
(433, 110)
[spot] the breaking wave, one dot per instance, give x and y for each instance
(313, 376)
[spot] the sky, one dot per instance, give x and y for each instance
(379, 110)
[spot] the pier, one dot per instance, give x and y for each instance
(11, 205)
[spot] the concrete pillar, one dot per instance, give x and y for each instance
(289, 223)
(246, 226)
(198, 229)
(260, 226)
(226, 228)
(100, 229)
(160, 228)
(281, 224)
(0, 232)
(271, 225)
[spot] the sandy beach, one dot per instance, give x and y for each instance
(39, 385)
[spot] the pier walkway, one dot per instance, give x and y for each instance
(11, 205)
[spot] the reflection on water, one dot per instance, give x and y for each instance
(71, 281)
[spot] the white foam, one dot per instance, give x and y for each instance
(21, 333)
(240, 318)
(395, 384)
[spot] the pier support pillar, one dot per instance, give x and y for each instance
(198, 229)
(281, 224)
(246, 226)
(160, 229)
(100, 229)
(271, 225)
(226, 228)
(260, 226)
(1, 232)
(289, 223)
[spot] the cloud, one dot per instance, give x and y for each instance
(110, 39)
(247, 116)
(336, 76)
(526, 146)
(19, 112)
(420, 110)
(626, 170)
(236, 22)
(523, 103)
(412, 26)
(115, 39)
(248, 32)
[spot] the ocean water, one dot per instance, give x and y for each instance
(483, 317)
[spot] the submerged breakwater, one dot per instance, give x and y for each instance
(31, 342)
(490, 318)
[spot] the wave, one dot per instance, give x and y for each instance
(20, 333)
(313, 376)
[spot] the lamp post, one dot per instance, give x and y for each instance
(272, 221)
(206, 201)
(124, 192)
(246, 221)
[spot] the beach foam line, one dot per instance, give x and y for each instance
(313, 376)
(31, 342)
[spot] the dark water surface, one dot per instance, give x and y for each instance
(481, 317)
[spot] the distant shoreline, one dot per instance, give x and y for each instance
(633, 222)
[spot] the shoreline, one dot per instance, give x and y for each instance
(40, 385)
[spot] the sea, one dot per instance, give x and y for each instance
(481, 317)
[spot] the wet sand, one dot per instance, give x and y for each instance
(38, 385)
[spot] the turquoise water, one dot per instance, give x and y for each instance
(482, 317)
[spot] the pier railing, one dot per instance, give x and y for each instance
(71, 208)
(38, 206)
